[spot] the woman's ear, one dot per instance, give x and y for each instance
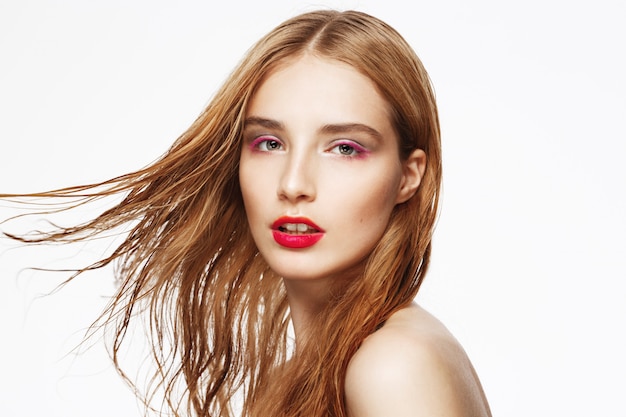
(412, 171)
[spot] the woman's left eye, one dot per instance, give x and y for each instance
(348, 149)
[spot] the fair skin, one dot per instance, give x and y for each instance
(320, 175)
(413, 367)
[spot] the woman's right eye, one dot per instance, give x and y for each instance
(266, 144)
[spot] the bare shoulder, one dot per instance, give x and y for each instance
(413, 366)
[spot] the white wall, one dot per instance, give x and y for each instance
(529, 263)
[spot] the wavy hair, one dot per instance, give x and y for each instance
(218, 316)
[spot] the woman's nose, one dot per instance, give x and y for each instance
(297, 182)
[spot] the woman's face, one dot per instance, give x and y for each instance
(320, 171)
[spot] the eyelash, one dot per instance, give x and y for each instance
(263, 141)
(358, 150)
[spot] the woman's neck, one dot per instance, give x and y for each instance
(306, 300)
(309, 297)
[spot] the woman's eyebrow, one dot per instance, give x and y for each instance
(351, 128)
(335, 128)
(263, 122)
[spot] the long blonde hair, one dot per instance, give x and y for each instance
(218, 315)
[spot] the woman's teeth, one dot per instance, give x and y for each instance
(296, 228)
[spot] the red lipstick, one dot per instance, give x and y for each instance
(296, 232)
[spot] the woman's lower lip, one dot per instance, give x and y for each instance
(296, 241)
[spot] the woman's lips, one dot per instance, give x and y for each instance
(296, 232)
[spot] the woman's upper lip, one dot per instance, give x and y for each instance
(295, 220)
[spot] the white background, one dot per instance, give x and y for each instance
(529, 259)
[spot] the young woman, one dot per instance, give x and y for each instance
(305, 195)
